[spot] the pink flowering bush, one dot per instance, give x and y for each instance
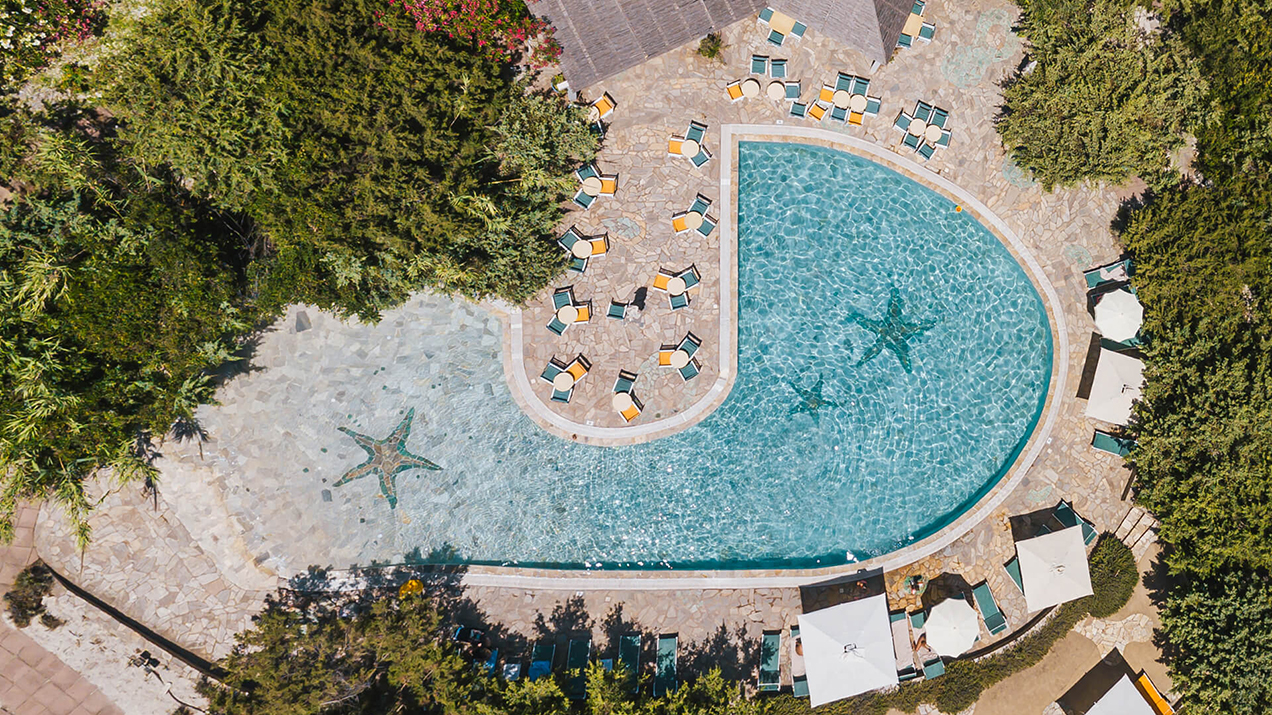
(501, 30)
(32, 31)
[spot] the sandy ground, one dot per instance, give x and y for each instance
(99, 649)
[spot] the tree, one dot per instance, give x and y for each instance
(1219, 631)
(378, 160)
(1105, 101)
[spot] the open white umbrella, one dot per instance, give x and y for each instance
(1053, 568)
(1122, 699)
(1117, 383)
(847, 649)
(1119, 315)
(952, 627)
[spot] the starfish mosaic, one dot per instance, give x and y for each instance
(810, 401)
(893, 332)
(386, 457)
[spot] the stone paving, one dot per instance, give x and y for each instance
(34, 681)
(242, 534)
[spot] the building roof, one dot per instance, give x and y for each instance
(600, 38)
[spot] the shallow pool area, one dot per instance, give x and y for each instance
(893, 361)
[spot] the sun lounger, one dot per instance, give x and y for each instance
(733, 90)
(584, 311)
(944, 141)
(1106, 442)
(664, 355)
(617, 310)
(696, 132)
(792, 91)
(626, 380)
(578, 367)
(700, 204)
(799, 109)
(600, 245)
(904, 40)
(556, 326)
(922, 111)
(678, 301)
(799, 674)
(927, 32)
(1153, 695)
(578, 265)
(1065, 514)
(550, 372)
(826, 95)
(843, 82)
(902, 122)
(1013, 571)
(860, 85)
(854, 118)
(690, 344)
(926, 150)
(911, 141)
(872, 106)
(604, 105)
(702, 156)
(492, 663)
(661, 278)
(569, 238)
(707, 226)
(838, 114)
(511, 671)
(777, 69)
(634, 410)
(934, 668)
(918, 7)
(816, 111)
(902, 647)
(759, 64)
(562, 395)
(766, 14)
(1119, 272)
(665, 674)
(586, 172)
(629, 658)
(576, 659)
(798, 30)
(939, 117)
(673, 146)
(692, 370)
(609, 184)
(995, 621)
(776, 37)
(583, 199)
(770, 662)
(541, 660)
(690, 276)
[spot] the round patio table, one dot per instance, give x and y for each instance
(776, 91)
(693, 220)
(563, 382)
(591, 186)
(751, 87)
(857, 103)
(689, 148)
(621, 401)
(841, 98)
(679, 359)
(593, 114)
(917, 127)
(676, 285)
(568, 314)
(581, 249)
(932, 133)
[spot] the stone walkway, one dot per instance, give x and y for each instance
(196, 568)
(32, 680)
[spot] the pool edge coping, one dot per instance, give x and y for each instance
(730, 134)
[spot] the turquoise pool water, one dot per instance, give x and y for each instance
(827, 450)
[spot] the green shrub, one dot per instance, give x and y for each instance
(711, 46)
(1113, 577)
(26, 600)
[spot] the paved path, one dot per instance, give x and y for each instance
(32, 680)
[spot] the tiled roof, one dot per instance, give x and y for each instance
(601, 38)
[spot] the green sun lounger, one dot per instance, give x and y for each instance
(766, 14)
(576, 662)
(776, 37)
(759, 64)
(927, 31)
(665, 673)
(556, 326)
(629, 658)
(1106, 442)
(679, 301)
(708, 225)
(904, 41)
(696, 132)
(777, 69)
(934, 668)
(799, 683)
(700, 204)
(1069, 518)
(583, 199)
(1013, 570)
(1094, 279)
(770, 662)
(860, 85)
(798, 30)
(617, 310)
(926, 151)
(995, 621)
(541, 660)
(626, 380)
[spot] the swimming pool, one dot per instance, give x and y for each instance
(893, 359)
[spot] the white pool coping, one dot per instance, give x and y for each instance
(671, 579)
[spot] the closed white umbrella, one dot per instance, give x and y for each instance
(1119, 315)
(952, 627)
(1053, 568)
(1117, 383)
(847, 649)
